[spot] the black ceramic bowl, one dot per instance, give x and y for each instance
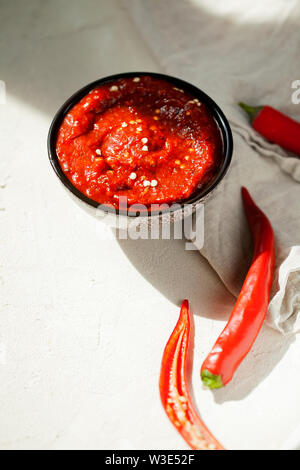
(219, 117)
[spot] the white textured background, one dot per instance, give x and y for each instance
(83, 321)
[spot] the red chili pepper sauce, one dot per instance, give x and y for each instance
(139, 137)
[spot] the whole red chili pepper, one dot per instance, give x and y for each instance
(174, 392)
(275, 126)
(251, 307)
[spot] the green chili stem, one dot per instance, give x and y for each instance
(252, 111)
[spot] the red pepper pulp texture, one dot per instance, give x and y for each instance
(140, 138)
(174, 391)
(251, 307)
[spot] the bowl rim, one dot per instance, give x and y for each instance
(218, 115)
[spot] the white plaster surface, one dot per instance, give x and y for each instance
(83, 321)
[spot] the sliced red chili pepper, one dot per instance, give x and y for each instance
(275, 126)
(174, 391)
(251, 307)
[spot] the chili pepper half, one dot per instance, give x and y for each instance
(174, 392)
(251, 307)
(275, 126)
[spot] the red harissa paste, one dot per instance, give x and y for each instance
(139, 137)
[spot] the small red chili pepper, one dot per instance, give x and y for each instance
(275, 126)
(251, 307)
(174, 392)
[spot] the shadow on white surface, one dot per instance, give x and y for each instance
(55, 48)
(267, 352)
(180, 274)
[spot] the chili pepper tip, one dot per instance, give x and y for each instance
(252, 111)
(245, 192)
(247, 199)
(211, 380)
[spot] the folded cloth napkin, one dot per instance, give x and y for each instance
(240, 51)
